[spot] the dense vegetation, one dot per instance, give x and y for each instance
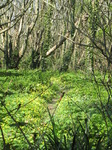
(55, 74)
(77, 121)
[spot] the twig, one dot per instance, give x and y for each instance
(17, 125)
(30, 100)
(4, 144)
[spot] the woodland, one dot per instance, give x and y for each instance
(55, 75)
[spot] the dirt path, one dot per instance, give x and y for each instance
(52, 106)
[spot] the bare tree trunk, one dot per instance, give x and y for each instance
(6, 51)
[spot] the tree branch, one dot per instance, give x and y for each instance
(17, 125)
(4, 144)
(63, 39)
(7, 3)
(1, 50)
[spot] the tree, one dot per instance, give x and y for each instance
(15, 30)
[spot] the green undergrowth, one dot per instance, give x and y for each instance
(78, 114)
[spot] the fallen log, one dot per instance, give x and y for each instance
(63, 39)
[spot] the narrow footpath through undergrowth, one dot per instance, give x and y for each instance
(53, 105)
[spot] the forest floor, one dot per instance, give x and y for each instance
(36, 91)
(52, 105)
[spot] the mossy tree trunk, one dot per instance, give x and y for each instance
(68, 54)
